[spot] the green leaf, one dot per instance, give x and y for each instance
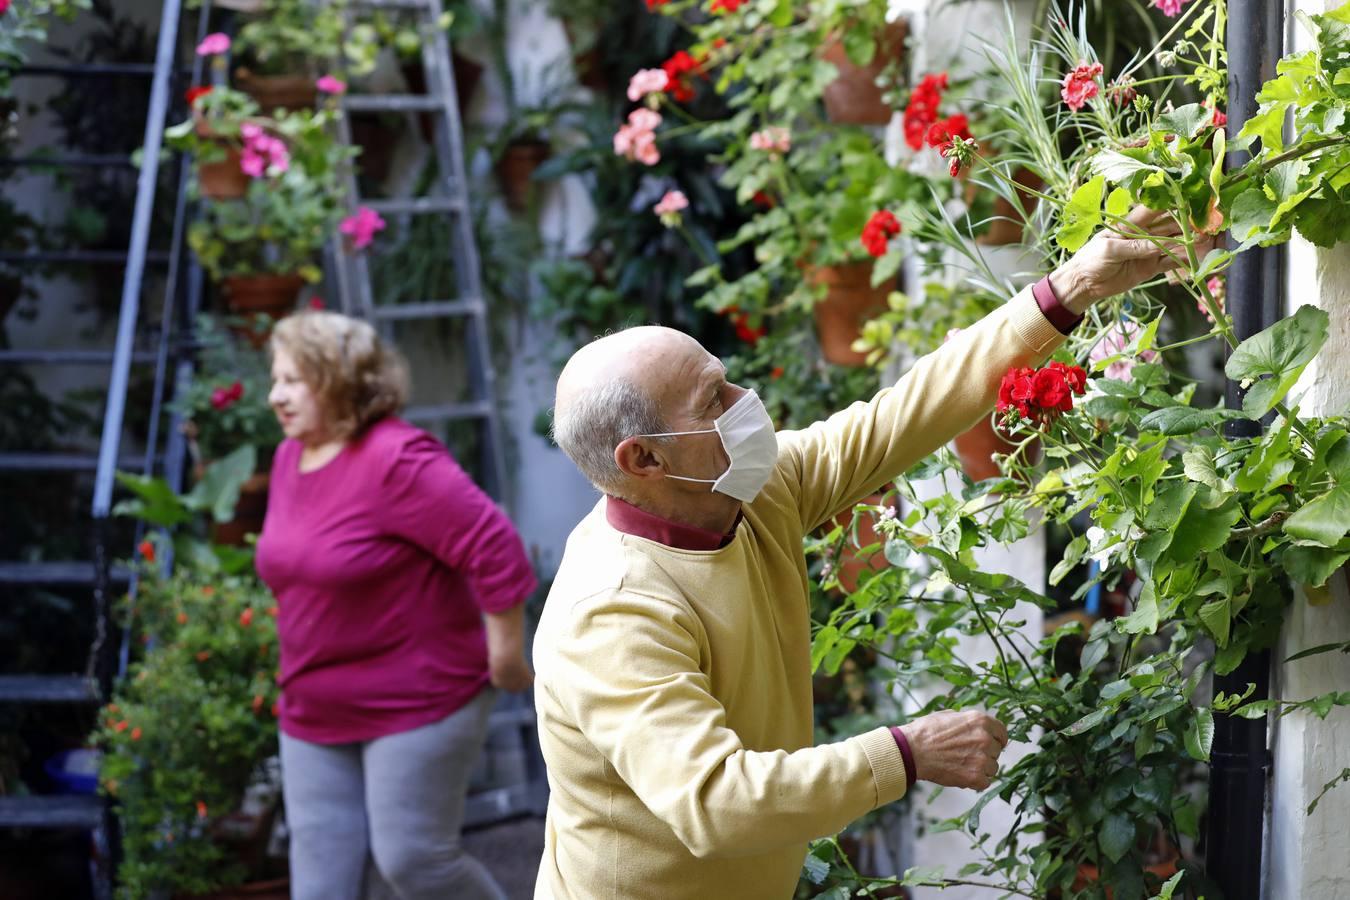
(1251, 215)
(1118, 203)
(1144, 619)
(1200, 735)
(1198, 464)
(815, 869)
(1117, 167)
(1116, 835)
(1218, 616)
(1082, 215)
(885, 268)
(1186, 121)
(1324, 520)
(1312, 566)
(1324, 221)
(1268, 125)
(1343, 647)
(1280, 351)
(1203, 528)
(1170, 886)
(1088, 722)
(1175, 421)
(155, 502)
(218, 491)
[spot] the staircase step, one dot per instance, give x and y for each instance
(62, 572)
(432, 309)
(448, 412)
(55, 811)
(415, 206)
(48, 689)
(392, 103)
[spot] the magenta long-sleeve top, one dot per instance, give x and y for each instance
(383, 562)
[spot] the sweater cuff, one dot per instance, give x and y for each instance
(1059, 315)
(1031, 325)
(888, 766)
(911, 770)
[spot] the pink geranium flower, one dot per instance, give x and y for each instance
(670, 207)
(4, 7)
(1080, 85)
(772, 140)
(1114, 341)
(1170, 8)
(218, 42)
(362, 226)
(647, 81)
(637, 139)
(262, 153)
(330, 85)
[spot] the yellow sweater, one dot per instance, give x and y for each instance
(674, 686)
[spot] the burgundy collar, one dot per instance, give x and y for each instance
(624, 516)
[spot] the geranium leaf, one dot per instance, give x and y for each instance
(1144, 619)
(1251, 215)
(1200, 735)
(1312, 566)
(1322, 221)
(1218, 616)
(1280, 351)
(1198, 463)
(1202, 529)
(1186, 121)
(1175, 421)
(1325, 520)
(1082, 215)
(1116, 835)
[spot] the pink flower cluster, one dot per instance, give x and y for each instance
(4, 7)
(330, 85)
(1114, 341)
(1170, 8)
(670, 207)
(222, 398)
(212, 44)
(647, 81)
(637, 139)
(362, 227)
(774, 139)
(1218, 289)
(1080, 85)
(262, 153)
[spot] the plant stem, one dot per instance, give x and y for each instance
(1268, 524)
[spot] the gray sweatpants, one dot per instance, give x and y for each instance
(397, 801)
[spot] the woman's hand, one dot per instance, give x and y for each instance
(511, 674)
(1112, 263)
(507, 667)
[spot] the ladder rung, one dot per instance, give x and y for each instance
(70, 162)
(392, 103)
(59, 462)
(91, 70)
(48, 689)
(90, 257)
(432, 309)
(68, 357)
(67, 572)
(392, 4)
(448, 412)
(56, 811)
(415, 205)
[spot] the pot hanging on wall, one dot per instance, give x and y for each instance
(288, 92)
(976, 447)
(854, 97)
(253, 296)
(223, 180)
(515, 171)
(1008, 226)
(850, 300)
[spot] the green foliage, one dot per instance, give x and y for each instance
(289, 37)
(25, 24)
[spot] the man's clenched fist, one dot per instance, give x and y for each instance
(957, 749)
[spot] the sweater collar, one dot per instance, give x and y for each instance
(627, 518)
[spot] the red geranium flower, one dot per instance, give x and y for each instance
(878, 231)
(726, 6)
(777, 372)
(193, 93)
(1050, 391)
(653, 4)
(677, 69)
(246, 617)
(922, 110)
(147, 550)
(1040, 395)
(1080, 85)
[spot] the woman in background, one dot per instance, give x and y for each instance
(400, 588)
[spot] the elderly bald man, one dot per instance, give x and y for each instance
(673, 669)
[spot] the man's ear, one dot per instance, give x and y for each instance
(636, 460)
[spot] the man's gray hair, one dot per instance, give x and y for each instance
(597, 420)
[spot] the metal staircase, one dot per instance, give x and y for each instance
(137, 343)
(512, 779)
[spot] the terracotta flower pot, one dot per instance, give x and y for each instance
(851, 563)
(223, 180)
(515, 168)
(249, 513)
(272, 92)
(1009, 227)
(977, 446)
(850, 300)
(854, 98)
(251, 296)
(1088, 876)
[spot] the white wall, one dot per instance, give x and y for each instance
(1309, 856)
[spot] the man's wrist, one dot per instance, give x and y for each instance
(906, 754)
(1071, 289)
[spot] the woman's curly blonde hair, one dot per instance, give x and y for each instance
(356, 377)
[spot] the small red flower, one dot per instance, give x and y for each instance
(1218, 118)
(726, 6)
(1040, 395)
(203, 655)
(136, 733)
(257, 703)
(922, 110)
(1080, 85)
(276, 710)
(762, 199)
(182, 618)
(120, 726)
(246, 617)
(878, 231)
(208, 591)
(776, 373)
(201, 810)
(4, 7)
(316, 303)
(653, 5)
(147, 550)
(272, 611)
(193, 94)
(678, 69)
(1050, 391)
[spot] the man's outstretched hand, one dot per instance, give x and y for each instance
(1112, 263)
(956, 749)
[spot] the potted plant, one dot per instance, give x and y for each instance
(211, 137)
(225, 408)
(188, 734)
(287, 44)
(534, 105)
(864, 58)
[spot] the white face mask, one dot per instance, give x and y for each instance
(751, 445)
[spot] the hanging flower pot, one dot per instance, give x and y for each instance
(516, 168)
(850, 300)
(249, 509)
(271, 92)
(252, 296)
(223, 180)
(854, 98)
(976, 448)
(1008, 225)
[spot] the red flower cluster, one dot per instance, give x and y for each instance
(147, 550)
(1218, 118)
(652, 5)
(678, 70)
(194, 94)
(726, 6)
(1040, 395)
(922, 111)
(878, 231)
(4, 7)
(741, 322)
(223, 398)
